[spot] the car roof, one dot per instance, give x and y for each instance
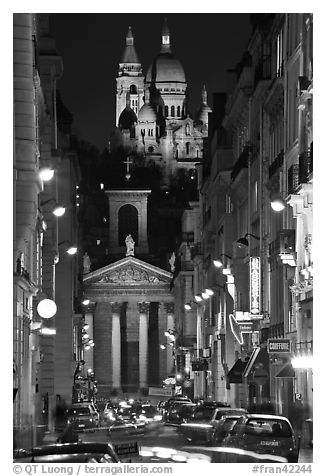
(66, 448)
(267, 417)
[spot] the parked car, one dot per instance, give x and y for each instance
(170, 402)
(223, 426)
(88, 404)
(202, 425)
(82, 416)
(78, 453)
(178, 412)
(268, 434)
(149, 415)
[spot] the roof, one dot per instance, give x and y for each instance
(127, 118)
(165, 69)
(146, 114)
(267, 416)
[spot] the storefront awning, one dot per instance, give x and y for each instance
(235, 373)
(257, 366)
(286, 372)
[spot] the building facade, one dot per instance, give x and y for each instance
(255, 329)
(41, 147)
(157, 145)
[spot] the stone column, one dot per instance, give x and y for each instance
(169, 308)
(162, 327)
(143, 308)
(116, 346)
(89, 351)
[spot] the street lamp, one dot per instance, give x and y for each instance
(242, 242)
(277, 203)
(58, 210)
(46, 174)
(71, 248)
(46, 308)
(218, 263)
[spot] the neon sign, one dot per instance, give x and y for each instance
(255, 285)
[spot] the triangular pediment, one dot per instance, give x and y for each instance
(129, 271)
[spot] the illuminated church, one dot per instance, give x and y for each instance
(152, 116)
(150, 181)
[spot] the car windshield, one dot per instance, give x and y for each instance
(203, 414)
(229, 423)
(268, 428)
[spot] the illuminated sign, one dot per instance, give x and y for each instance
(246, 327)
(235, 328)
(254, 285)
(278, 346)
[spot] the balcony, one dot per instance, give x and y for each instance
(263, 70)
(241, 163)
(305, 166)
(293, 179)
(300, 173)
(276, 164)
(283, 244)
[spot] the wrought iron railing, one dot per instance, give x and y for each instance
(293, 179)
(305, 167)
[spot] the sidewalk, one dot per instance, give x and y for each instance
(305, 455)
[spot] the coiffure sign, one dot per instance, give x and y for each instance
(278, 346)
(255, 285)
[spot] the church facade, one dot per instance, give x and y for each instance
(131, 316)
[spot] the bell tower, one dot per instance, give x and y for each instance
(130, 79)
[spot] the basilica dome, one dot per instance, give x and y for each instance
(166, 69)
(127, 118)
(147, 114)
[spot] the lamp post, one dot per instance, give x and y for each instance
(58, 209)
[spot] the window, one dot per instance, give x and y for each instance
(187, 148)
(254, 197)
(172, 111)
(178, 111)
(128, 223)
(279, 54)
(133, 89)
(166, 111)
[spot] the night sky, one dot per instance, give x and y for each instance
(92, 44)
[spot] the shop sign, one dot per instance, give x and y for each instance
(169, 381)
(278, 346)
(246, 327)
(199, 365)
(162, 392)
(254, 285)
(235, 328)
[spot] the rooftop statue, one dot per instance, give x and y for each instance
(130, 244)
